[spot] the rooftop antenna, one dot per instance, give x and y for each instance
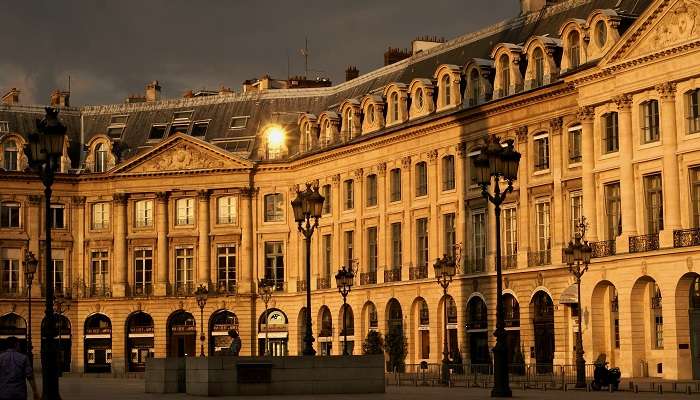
(305, 53)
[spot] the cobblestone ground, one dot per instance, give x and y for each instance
(76, 388)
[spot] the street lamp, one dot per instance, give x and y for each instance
(445, 270)
(44, 151)
(498, 162)
(201, 295)
(578, 256)
(308, 207)
(265, 289)
(61, 305)
(344, 280)
(30, 266)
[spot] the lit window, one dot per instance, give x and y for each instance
(144, 213)
(274, 209)
(610, 133)
(58, 218)
(275, 136)
(650, 121)
(185, 211)
(227, 210)
(238, 122)
(100, 158)
(10, 155)
(100, 215)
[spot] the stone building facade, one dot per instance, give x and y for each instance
(602, 98)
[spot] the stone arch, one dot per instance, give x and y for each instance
(329, 128)
(645, 307)
(687, 322)
(508, 80)
(102, 141)
(139, 330)
(346, 316)
(394, 315)
(373, 113)
(98, 343)
(550, 50)
(21, 159)
(449, 79)
(221, 322)
(181, 334)
(350, 112)
(573, 28)
(421, 92)
(301, 330)
(478, 76)
(542, 312)
(611, 20)
(605, 325)
(13, 324)
(396, 95)
(419, 330)
(370, 320)
(308, 131)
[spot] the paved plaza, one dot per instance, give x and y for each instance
(76, 388)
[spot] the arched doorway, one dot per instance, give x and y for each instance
(477, 331)
(301, 330)
(511, 312)
(275, 330)
(605, 322)
(370, 318)
(220, 323)
(646, 306)
(64, 340)
(98, 343)
(325, 335)
(689, 285)
(139, 341)
(421, 326)
(543, 326)
(394, 321)
(13, 325)
(182, 335)
(347, 319)
(452, 344)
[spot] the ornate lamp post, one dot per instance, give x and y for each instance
(445, 270)
(308, 207)
(498, 162)
(578, 256)
(265, 289)
(201, 295)
(44, 152)
(61, 305)
(30, 266)
(344, 280)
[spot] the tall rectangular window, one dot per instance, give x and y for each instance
(274, 208)
(371, 190)
(654, 203)
(372, 249)
(541, 144)
(9, 215)
(395, 182)
(10, 152)
(478, 233)
(100, 215)
(575, 143)
(184, 269)
(144, 213)
(185, 211)
(226, 268)
(327, 199)
(99, 271)
(613, 211)
(693, 114)
(510, 234)
(650, 121)
(449, 234)
(349, 194)
(349, 248)
(10, 275)
(274, 264)
(58, 216)
(422, 242)
(226, 210)
(327, 256)
(421, 179)
(695, 195)
(58, 275)
(448, 173)
(543, 232)
(396, 240)
(610, 133)
(143, 270)
(576, 211)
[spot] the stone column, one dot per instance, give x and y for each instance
(77, 278)
(406, 197)
(336, 210)
(203, 253)
(523, 200)
(383, 236)
(586, 115)
(121, 260)
(671, 182)
(435, 238)
(161, 286)
(359, 246)
(556, 150)
(629, 224)
(33, 231)
(246, 276)
(462, 180)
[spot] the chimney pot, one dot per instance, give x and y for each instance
(153, 91)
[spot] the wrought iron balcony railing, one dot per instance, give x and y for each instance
(323, 283)
(686, 237)
(509, 261)
(392, 275)
(420, 272)
(100, 291)
(301, 286)
(368, 278)
(538, 258)
(226, 288)
(604, 248)
(142, 290)
(475, 265)
(183, 289)
(642, 243)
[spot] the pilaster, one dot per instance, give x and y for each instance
(671, 181)
(161, 286)
(120, 261)
(523, 212)
(586, 116)
(247, 270)
(627, 184)
(203, 252)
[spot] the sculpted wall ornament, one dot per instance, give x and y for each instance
(183, 157)
(623, 102)
(249, 191)
(521, 133)
(120, 198)
(406, 162)
(432, 156)
(381, 168)
(359, 173)
(555, 124)
(35, 199)
(462, 149)
(162, 196)
(586, 113)
(203, 194)
(667, 90)
(678, 25)
(78, 201)
(335, 179)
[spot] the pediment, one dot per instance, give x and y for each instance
(666, 24)
(183, 153)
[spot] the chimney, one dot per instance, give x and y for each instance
(152, 92)
(60, 98)
(11, 97)
(529, 6)
(224, 90)
(188, 94)
(393, 55)
(351, 73)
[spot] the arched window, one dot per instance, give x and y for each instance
(419, 98)
(350, 122)
(601, 33)
(574, 50)
(394, 107)
(10, 156)
(474, 86)
(307, 135)
(447, 98)
(538, 59)
(504, 65)
(100, 158)
(370, 114)
(327, 133)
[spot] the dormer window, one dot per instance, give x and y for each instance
(179, 127)
(475, 93)
(117, 123)
(601, 33)
(157, 131)
(446, 89)
(100, 158)
(504, 67)
(574, 49)
(199, 129)
(370, 114)
(4, 127)
(10, 153)
(350, 121)
(394, 107)
(419, 98)
(538, 59)
(182, 115)
(238, 122)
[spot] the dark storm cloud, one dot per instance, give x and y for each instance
(112, 48)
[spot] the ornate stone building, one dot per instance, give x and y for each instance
(601, 96)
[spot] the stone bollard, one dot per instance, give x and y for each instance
(661, 389)
(688, 390)
(636, 388)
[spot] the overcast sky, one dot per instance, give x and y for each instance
(113, 48)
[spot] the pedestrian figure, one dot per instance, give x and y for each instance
(14, 369)
(235, 347)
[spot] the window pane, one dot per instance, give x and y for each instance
(448, 173)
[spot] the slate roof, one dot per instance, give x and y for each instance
(284, 106)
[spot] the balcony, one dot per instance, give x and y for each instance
(539, 258)
(643, 243)
(183, 289)
(605, 248)
(392, 275)
(686, 237)
(323, 283)
(142, 290)
(301, 286)
(368, 278)
(420, 272)
(475, 265)
(226, 288)
(100, 291)
(10, 292)
(509, 261)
